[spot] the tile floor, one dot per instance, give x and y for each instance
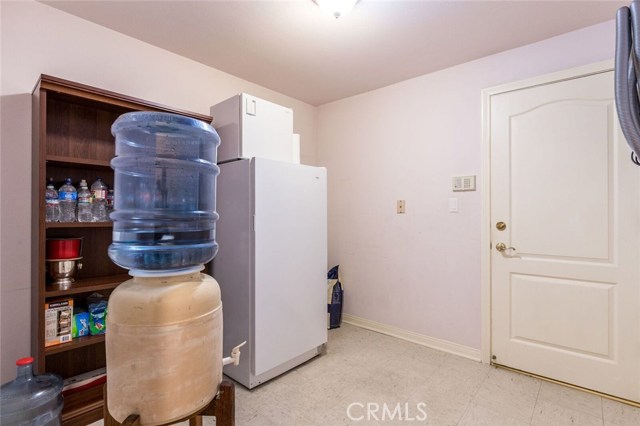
(363, 369)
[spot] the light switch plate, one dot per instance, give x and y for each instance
(453, 205)
(463, 183)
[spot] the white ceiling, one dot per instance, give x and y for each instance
(293, 48)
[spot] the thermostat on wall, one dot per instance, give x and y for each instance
(464, 183)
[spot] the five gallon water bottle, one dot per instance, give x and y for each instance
(84, 203)
(52, 204)
(165, 184)
(99, 201)
(68, 197)
(31, 400)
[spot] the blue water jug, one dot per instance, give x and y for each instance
(31, 400)
(165, 173)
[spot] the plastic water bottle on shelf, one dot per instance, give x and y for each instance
(68, 197)
(99, 201)
(84, 203)
(110, 200)
(52, 204)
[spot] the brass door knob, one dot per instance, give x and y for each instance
(503, 247)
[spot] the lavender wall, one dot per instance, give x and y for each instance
(420, 271)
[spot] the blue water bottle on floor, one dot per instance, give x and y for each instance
(31, 400)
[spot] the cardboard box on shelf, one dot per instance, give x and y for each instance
(58, 316)
(80, 325)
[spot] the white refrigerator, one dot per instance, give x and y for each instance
(271, 265)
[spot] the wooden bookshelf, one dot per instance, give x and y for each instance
(72, 138)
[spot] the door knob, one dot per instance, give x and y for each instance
(503, 247)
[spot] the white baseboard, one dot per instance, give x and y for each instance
(420, 339)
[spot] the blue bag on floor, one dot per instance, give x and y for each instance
(334, 298)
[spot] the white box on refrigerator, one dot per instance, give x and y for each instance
(252, 127)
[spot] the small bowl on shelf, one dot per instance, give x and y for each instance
(63, 271)
(64, 248)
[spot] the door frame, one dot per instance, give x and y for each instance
(485, 234)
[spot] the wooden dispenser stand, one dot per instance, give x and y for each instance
(222, 407)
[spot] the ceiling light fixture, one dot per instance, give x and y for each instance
(336, 8)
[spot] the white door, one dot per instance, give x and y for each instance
(565, 292)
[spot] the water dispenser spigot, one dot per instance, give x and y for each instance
(235, 355)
